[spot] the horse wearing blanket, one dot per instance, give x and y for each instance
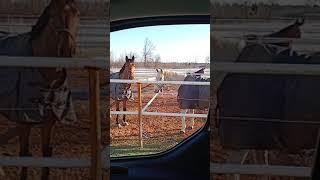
(193, 96)
(121, 92)
(270, 112)
(39, 96)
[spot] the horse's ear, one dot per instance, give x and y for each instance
(157, 70)
(132, 59)
(300, 21)
(126, 58)
(161, 70)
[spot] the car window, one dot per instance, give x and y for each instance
(157, 53)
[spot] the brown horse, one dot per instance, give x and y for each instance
(45, 90)
(122, 91)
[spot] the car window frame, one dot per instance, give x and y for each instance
(157, 21)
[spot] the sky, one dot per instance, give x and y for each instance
(174, 43)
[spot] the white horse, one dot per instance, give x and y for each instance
(159, 77)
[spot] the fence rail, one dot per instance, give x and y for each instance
(160, 82)
(53, 162)
(260, 170)
(11, 61)
(267, 68)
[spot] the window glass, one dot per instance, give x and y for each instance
(161, 53)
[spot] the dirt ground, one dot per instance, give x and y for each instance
(220, 155)
(159, 132)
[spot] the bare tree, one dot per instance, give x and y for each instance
(207, 60)
(147, 51)
(312, 2)
(157, 60)
(112, 59)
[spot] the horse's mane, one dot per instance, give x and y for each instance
(41, 23)
(291, 31)
(123, 68)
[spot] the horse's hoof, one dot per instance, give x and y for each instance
(119, 126)
(191, 127)
(126, 123)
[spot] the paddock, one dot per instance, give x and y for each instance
(154, 119)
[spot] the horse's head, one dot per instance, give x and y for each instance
(160, 75)
(128, 69)
(291, 31)
(56, 30)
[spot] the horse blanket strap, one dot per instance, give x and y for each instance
(118, 91)
(24, 97)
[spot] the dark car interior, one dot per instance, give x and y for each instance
(189, 159)
(316, 164)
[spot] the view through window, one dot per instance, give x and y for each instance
(160, 53)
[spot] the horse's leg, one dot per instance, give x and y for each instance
(124, 102)
(183, 128)
(110, 109)
(192, 120)
(46, 133)
(24, 147)
(118, 109)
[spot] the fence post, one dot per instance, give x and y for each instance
(140, 114)
(94, 98)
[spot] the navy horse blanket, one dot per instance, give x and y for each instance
(118, 90)
(194, 96)
(24, 98)
(292, 101)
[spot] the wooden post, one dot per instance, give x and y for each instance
(95, 130)
(140, 114)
